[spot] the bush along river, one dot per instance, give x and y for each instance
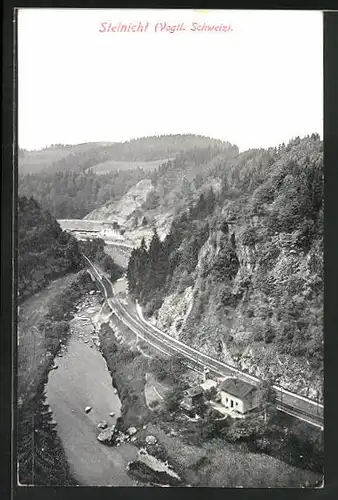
(86, 408)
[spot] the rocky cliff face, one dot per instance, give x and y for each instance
(132, 218)
(237, 333)
(122, 210)
(255, 296)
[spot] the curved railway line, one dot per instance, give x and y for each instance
(293, 404)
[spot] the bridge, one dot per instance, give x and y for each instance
(104, 229)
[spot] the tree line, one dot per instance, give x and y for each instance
(45, 252)
(151, 268)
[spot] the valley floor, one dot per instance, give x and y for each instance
(197, 460)
(211, 462)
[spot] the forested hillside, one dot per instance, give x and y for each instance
(72, 195)
(240, 275)
(166, 191)
(45, 252)
(177, 180)
(72, 181)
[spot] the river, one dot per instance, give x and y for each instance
(82, 379)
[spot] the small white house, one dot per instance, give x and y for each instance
(238, 396)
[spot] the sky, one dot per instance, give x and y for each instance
(256, 85)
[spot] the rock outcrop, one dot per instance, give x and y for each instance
(108, 435)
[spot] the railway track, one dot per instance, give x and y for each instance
(293, 404)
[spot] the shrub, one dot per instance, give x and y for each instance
(228, 299)
(152, 306)
(269, 334)
(226, 264)
(224, 227)
(154, 404)
(258, 335)
(250, 237)
(173, 397)
(160, 367)
(186, 280)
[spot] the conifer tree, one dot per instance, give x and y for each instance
(131, 272)
(155, 262)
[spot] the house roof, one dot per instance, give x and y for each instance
(236, 387)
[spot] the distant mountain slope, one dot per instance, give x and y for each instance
(45, 252)
(154, 200)
(54, 157)
(240, 274)
(72, 181)
(83, 156)
(84, 180)
(172, 184)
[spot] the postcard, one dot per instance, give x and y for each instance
(170, 248)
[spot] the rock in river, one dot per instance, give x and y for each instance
(88, 408)
(112, 414)
(151, 440)
(131, 431)
(107, 436)
(102, 425)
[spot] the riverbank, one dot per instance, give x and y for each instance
(198, 458)
(127, 367)
(82, 399)
(43, 328)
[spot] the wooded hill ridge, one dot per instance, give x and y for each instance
(80, 157)
(65, 180)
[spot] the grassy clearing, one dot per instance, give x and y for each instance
(114, 165)
(154, 392)
(228, 466)
(216, 463)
